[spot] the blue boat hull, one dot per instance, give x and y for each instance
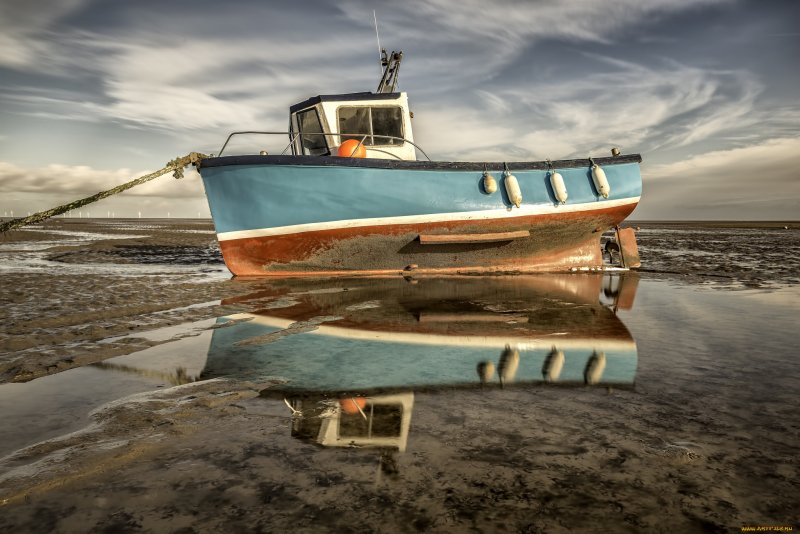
(307, 216)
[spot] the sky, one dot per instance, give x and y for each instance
(96, 92)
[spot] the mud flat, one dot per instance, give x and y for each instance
(116, 424)
(736, 254)
(70, 283)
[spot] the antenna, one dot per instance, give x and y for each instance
(378, 38)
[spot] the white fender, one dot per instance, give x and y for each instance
(512, 188)
(594, 368)
(485, 371)
(559, 188)
(553, 364)
(600, 180)
(489, 183)
(508, 365)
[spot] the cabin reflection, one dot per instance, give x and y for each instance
(381, 421)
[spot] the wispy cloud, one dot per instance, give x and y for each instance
(756, 161)
(754, 182)
(507, 22)
(642, 107)
(634, 106)
(474, 40)
(23, 26)
(172, 81)
(75, 181)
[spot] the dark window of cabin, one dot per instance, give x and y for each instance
(383, 421)
(310, 126)
(355, 121)
(388, 122)
(376, 125)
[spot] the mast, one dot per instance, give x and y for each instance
(391, 71)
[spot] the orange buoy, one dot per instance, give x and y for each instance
(352, 149)
(351, 405)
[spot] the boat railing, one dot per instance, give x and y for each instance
(293, 136)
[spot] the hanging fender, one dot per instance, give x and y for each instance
(508, 365)
(485, 371)
(600, 180)
(553, 364)
(512, 188)
(594, 368)
(489, 183)
(559, 187)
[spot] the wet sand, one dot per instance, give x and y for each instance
(707, 440)
(733, 254)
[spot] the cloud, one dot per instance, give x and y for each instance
(577, 20)
(28, 190)
(784, 152)
(506, 22)
(207, 84)
(200, 84)
(77, 181)
(758, 182)
(458, 133)
(22, 27)
(174, 79)
(625, 104)
(641, 107)
(152, 79)
(473, 39)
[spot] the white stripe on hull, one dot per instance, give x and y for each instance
(482, 215)
(542, 342)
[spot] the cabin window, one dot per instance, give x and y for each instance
(380, 125)
(383, 421)
(310, 127)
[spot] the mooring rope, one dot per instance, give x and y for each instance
(176, 166)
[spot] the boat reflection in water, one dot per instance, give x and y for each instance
(347, 355)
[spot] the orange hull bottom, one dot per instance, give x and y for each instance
(546, 243)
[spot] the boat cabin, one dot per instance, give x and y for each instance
(380, 121)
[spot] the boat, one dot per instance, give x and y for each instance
(348, 356)
(349, 196)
